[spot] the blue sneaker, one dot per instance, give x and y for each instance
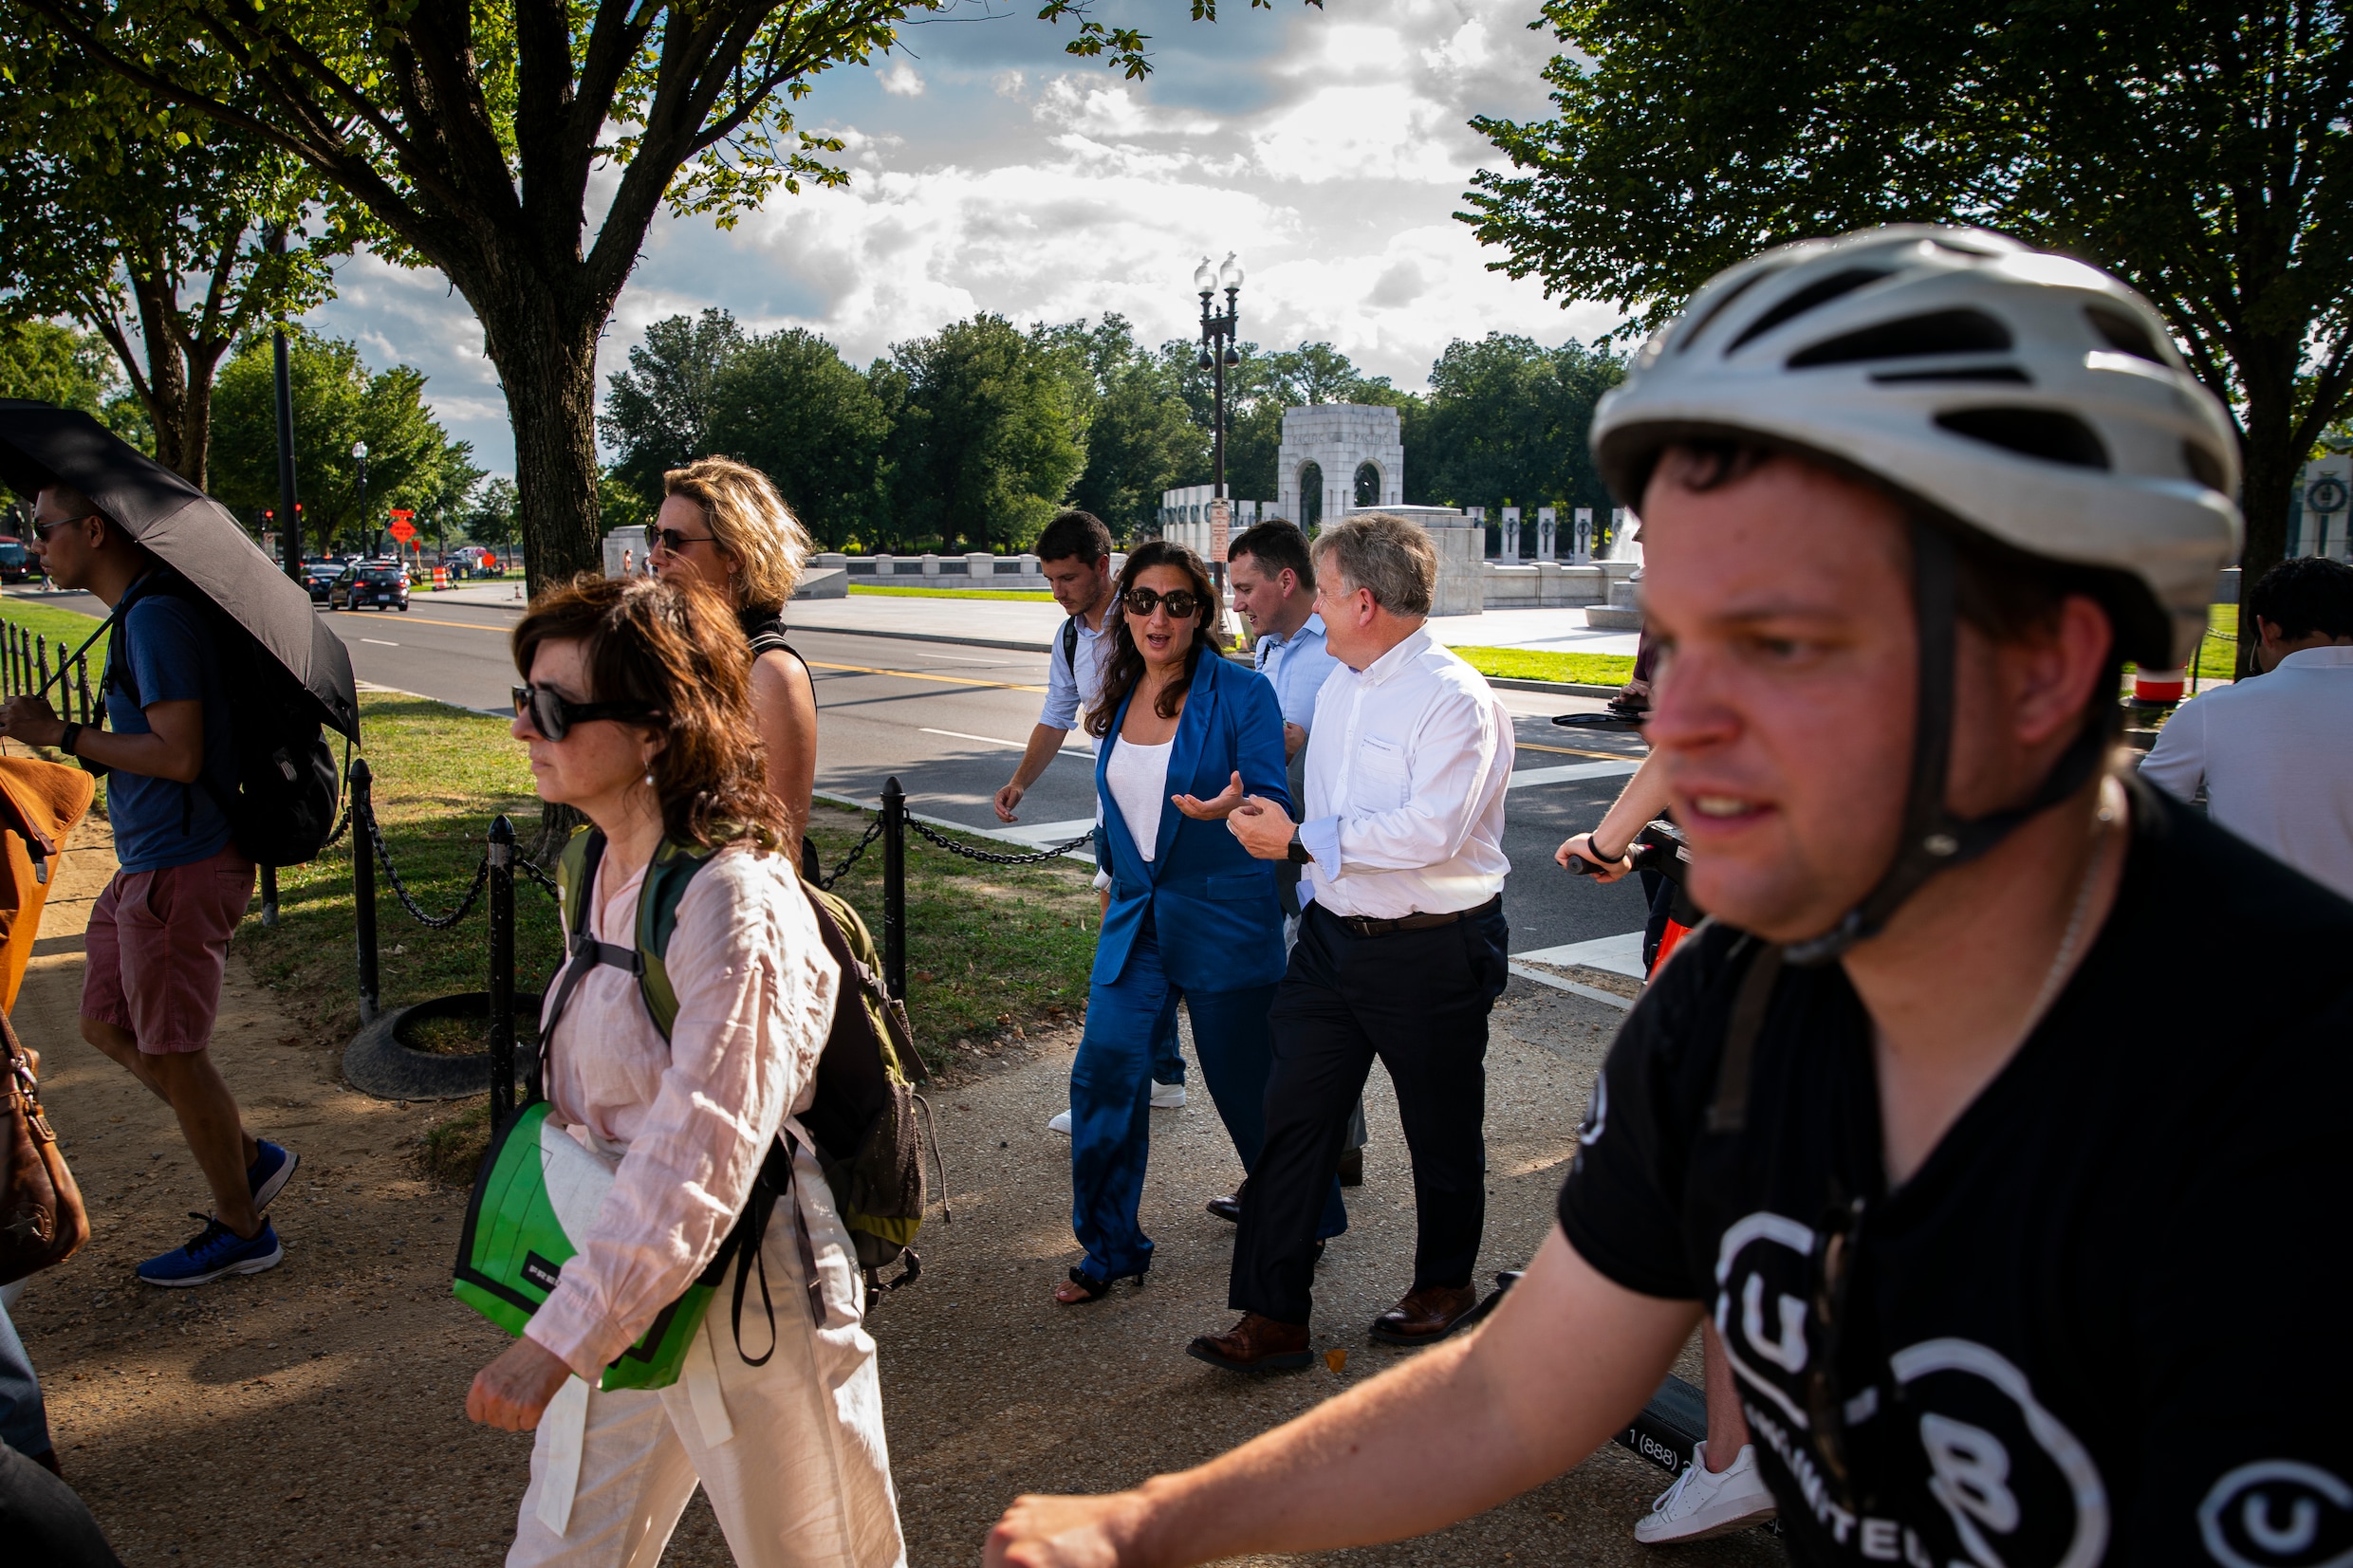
(214, 1251)
(266, 1177)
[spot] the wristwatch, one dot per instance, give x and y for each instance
(1299, 855)
(66, 740)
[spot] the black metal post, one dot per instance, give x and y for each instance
(363, 885)
(502, 972)
(81, 681)
(289, 516)
(40, 663)
(895, 888)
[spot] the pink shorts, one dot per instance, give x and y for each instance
(158, 945)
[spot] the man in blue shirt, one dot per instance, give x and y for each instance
(159, 935)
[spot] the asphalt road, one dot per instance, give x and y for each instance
(950, 722)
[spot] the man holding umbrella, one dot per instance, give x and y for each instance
(159, 935)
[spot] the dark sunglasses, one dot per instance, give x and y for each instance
(1181, 602)
(554, 716)
(672, 540)
(43, 530)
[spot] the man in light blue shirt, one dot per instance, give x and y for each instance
(1074, 552)
(1274, 590)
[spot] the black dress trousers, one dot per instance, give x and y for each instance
(1418, 1001)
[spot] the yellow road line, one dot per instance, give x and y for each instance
(1572, 751)
(924, 675)
(422, 620)
(814, 664)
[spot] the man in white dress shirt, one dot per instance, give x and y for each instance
(1400, 954)
(2275, 753)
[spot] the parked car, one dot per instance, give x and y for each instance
(15, 561)
(386, 587)
(318, 577)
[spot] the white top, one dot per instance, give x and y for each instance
(1407, 765)
(690, 1117)
(1138, 779)
(2275, 753)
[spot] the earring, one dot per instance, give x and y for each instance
(649, 778)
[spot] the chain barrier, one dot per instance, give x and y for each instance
(430, 922)
(546, 883)
(1036, 858)
(874, 831)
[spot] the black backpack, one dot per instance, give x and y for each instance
(282, 806)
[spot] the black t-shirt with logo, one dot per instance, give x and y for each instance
(2106, 1320)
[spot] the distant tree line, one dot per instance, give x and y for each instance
(972, 438)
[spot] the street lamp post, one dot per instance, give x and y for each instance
(1217, 352)
(376, 544)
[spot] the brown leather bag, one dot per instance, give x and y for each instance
(42, 1220)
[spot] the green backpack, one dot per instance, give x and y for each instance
(537, 1189)
(863, 1116)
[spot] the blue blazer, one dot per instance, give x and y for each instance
(1214, 909)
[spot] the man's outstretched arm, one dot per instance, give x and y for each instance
(1564, 1363)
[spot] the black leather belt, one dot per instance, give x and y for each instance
(1365, 925)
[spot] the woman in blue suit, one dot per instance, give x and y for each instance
(1187, 913)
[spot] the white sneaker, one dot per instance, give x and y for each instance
(1168, 1096)
(1060, 1124)
(1701, 1504)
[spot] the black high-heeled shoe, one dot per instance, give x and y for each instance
(1097, 1289)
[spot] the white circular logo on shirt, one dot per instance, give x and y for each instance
(2278, 1513)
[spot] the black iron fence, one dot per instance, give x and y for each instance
(27, 669)
(502, 861)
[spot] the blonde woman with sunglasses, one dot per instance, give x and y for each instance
(723, 524)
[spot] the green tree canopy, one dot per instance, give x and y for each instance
(163, 232)
(338, 403)
(2204, 154)
(1506, 424)
(469, 131)
(789, 406)
(986, 438)
(658, 413)
(1141, 434)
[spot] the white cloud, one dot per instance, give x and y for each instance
(1332, 152)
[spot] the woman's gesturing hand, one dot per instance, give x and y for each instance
(513, 1391)
(1215, 810)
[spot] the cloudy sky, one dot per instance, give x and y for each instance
(992, 172)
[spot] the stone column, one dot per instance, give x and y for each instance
(882, 565)
(980, 566)
(930, 564)
(1478, 516)
(1220, 528)
(1511, 553)
(1546, 526)
(1582, 552)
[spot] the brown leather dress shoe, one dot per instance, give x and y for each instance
(1425, 1316)
(1256, 1344)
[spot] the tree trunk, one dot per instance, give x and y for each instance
(546, 360)
(2271, 462)
(164, 391)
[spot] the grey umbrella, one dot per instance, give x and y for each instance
(41, 444)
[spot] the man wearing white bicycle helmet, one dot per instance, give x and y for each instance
(1998, 1119)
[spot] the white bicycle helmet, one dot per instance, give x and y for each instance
(2021, 394)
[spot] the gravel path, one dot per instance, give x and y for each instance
(314, 1413)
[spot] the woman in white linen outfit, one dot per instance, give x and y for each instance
(637, 712)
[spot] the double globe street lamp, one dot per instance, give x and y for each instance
(1217, 352)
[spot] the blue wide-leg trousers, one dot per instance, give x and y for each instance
(1111, 1097)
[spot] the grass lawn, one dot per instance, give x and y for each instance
(1537, 664)
(991, 949)
(880, 590)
